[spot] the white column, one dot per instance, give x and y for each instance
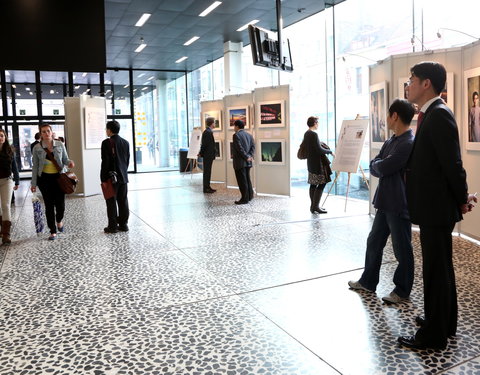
(232, 56)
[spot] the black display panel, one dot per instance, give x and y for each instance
(56, 35)
(266, 51)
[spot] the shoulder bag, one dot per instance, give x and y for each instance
(67, 181)
(108, 188)
(302, 151)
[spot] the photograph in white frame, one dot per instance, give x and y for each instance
(218, 150)
(229, 150)
(238, 113)
(271, 151)
(271, 114)
(216, 115)
(472, 109)
(378, 114)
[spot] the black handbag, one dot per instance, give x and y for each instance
(67, 181)
(302, 151)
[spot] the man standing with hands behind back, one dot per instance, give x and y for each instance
(207, 152)
(243, 150)
(115, 158)
(437, 196)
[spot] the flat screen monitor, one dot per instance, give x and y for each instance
(266, 51)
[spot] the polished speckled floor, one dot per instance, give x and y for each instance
(202, 286)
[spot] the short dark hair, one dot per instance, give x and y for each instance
(37, 136)
(43, 125)
(209, 121)
(433, 71)
(239, 124)
(312, 120)
(113, 126)
(404, 109)
(473, 95)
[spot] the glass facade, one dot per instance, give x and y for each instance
(331, 54)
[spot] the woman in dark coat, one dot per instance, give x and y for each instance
(317, 163)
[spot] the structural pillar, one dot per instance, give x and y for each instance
(232, 57)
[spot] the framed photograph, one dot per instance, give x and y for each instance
(238, 113)
(402, 94)
(378, 114)
(217, 115)
(230, 150)
(272, 151)
(218, 150)
(271, 114)
(472, 109)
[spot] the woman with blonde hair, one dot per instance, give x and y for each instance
(45, 173)
(8, 166)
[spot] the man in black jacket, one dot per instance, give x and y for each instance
(242, 154)
(207, 152)
(436, 186)
(115, 158)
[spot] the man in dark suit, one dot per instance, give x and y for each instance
(437, 197)
(207, 152)
(242, 154)
(115, 158)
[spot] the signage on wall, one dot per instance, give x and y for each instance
(56, 112)
(23, 112)
(118, 111)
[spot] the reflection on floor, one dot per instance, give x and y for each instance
(202, 286)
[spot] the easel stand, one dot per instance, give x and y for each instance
(194, 167)
(337, 174)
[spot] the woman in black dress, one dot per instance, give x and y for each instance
(318, 165)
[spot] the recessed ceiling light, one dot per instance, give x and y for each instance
(126, 86)
(77, 87)
(14, 86)
(141, 21)
(181, 59)
(52, 91)
(18, 94)
(145, 88)
(141, 75)
(152, 77)
(252, 22)
(210, 8)
(190, 41)
(141, 46)
(27, 88)
(31, 93)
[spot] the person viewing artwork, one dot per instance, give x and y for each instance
(391, 219)
(8, 167)
(243, 149)
(318, 165)
(45, 174)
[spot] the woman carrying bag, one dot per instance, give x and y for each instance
(7, 167)
(45, 174)
(317, 163)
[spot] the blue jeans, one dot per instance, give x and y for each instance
(400, 229)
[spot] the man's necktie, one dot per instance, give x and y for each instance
(420, 119)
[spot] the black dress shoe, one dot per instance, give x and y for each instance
(420, 321)
(241, 202)
(318, 211)
(123, 228)
(412, 343)
(213, 190)
(209, 191)
(110, 230)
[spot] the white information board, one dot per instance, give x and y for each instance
(350, 145)
(195, 140)
(95, 119)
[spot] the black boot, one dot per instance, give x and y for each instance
(311, 192)
(317, 195)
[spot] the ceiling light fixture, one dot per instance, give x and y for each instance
(52, 92)
(145, 88)
(27, 88)
(210, 8)
(152, 77)
(141, 46)
(77, 87)
(181, 59)
(141, 75)
(252, 22)
(13, 86)
(126, 86)
(457, 31)
(190, 41)
(144, 18)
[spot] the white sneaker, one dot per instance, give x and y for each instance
(355, 285)
(394, 298)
